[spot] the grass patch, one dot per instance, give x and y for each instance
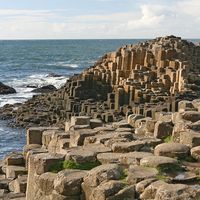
(55, 168)
(124, 174)
(170, 169)
(165, 172)
(68, 164)
(168, 139)
(163, 177)
(188, 158)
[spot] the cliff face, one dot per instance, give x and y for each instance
(141, 79)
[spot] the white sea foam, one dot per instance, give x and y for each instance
(63, 64)
(27, 84)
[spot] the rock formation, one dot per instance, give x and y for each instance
(127, 160)
(142, 79)
(44, 89)
(128, 128)
(5, 89)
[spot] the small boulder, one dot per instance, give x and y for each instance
(192, 116)
(190, 138)
(5, 89)
(139, 173)
(158, 161)
(163, 129)
(172, 150)
(125, 147)
(113, 190)
(68, 182)
(133, 157)
(45, 89)
(132, 119)
(106, 158)
(177, 191)
(195, 153)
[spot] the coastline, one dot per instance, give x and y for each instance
(125, 128)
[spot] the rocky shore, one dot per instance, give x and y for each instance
(146, 78)
(5, 89)
(136, 158)
(127, 128)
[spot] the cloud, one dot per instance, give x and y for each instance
(179, 17)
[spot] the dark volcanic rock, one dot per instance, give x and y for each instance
(5, 89)
(53, 75)
(45, 89)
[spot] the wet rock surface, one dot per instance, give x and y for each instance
(5, 89)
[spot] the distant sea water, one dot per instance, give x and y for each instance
(28, 63)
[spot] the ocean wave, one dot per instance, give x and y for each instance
(25, 85)
(64, 64)
(35, 81)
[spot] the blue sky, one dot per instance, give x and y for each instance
(83, 19)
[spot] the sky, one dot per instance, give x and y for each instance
(98, 19)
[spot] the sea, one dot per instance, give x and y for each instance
(29, 64)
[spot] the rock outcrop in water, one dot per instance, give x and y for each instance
(44, 89)
(132, 130)
(5, 89)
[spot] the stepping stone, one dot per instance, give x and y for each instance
(80, 155)
(100, 174)
(56, 145)
(4, 183)
(46, 182)
(43, 162)
(184, 105)
(97, 148)
(14, 159)
(105, 158)
(113, 140)
(163, 129)
(190, 138)
(133, 157)
(30, 147)
(80, 120)
(19, 185)
(113, 190)
(177, 191)
(195, 153)
(172, 150)
(13, 171)
(68, 182)
(3, 192)
(17, 196)
(185, 177)
(139, 173)
(77, 137)
(140, 186)
(132, 119)
(94, 123)
(158, 161)
(192, 116)
(105, 137)
(34, 134)
(124, 130)
(124, 147)
(150, 191)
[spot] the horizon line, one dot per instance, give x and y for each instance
(18, 39)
